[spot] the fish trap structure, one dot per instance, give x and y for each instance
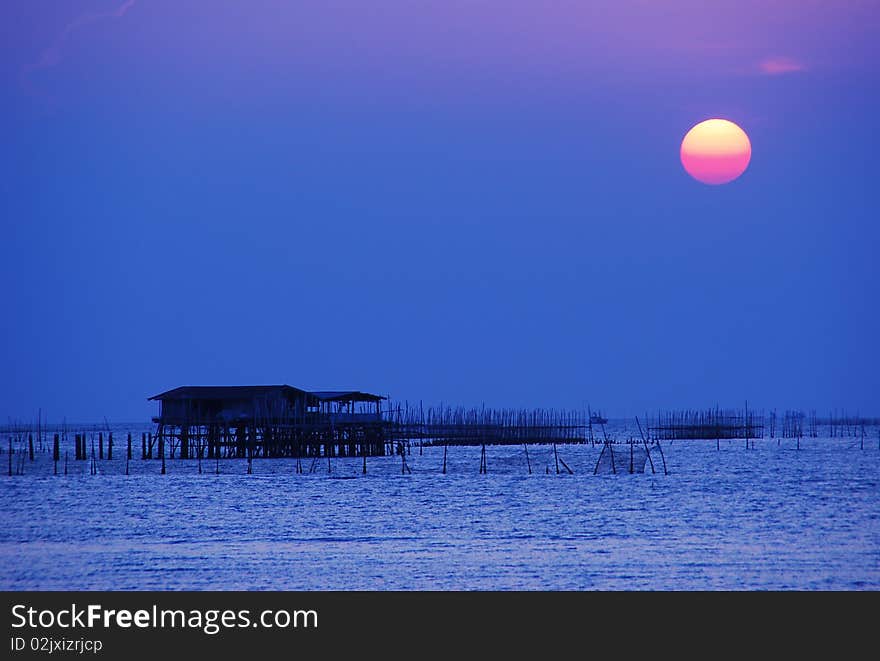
(446, 425)
(841, 424)
(631, 457)
(267, 421)
(709, 424)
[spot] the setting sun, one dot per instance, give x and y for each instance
(715, 151)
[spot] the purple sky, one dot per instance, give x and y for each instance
(456, 201)
(443, 49)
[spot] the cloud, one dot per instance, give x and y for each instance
(52, 55)
(779, 66)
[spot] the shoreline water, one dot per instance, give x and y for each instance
(773, 517)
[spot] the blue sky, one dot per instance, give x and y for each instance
(457, 202)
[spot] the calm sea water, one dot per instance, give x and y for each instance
(772, 517)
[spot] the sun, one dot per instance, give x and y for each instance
(716, 151)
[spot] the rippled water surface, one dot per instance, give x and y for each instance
(772, 517)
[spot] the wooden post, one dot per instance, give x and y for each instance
(645, 442)
(565, 466)
(110, 446)
(143, 445)
(556, 458)
(528, 461)
(100, 445)
(31, 447)
(651, 461)
(444, 458)
(55, 448)
(128, 454)
(65, 462)
(10, 456)
(748, 426)
(598, 461)
(590, 423)
(659, 447)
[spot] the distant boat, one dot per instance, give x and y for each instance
(598, 419)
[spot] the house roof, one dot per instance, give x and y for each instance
(345, 396)
(248, 392)
(224, 392)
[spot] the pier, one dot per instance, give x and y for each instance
(282, 421)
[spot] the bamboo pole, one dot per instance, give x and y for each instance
(565, 465)
(663, 457)
(645, 442)
(599, 460)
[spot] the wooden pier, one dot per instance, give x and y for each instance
(248, 422)
(283, 421)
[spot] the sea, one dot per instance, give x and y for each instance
(769, 514)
